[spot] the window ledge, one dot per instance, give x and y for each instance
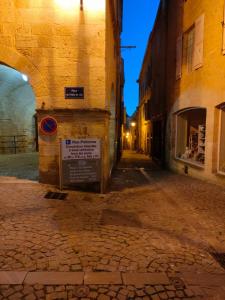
(190, 163)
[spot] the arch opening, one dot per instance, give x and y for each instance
(18, 126)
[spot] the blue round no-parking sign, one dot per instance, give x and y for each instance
(48, 125)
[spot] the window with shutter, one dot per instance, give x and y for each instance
(188, 48)
(179, 57)
(198, 43)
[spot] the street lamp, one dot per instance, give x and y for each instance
(133, 124)
(24, 77)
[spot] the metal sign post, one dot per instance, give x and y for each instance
(60, 165)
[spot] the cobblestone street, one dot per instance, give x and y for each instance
(162, 228)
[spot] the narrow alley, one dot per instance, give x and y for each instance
(112, 150)
(155, 235)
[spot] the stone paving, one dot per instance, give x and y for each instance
(20, 165)
(101, 292)
(163, 223)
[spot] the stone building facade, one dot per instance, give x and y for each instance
(151, 109)
(193, 98)
(68, 43)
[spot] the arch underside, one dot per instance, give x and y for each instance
(12, 58)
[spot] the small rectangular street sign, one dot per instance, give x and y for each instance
(74, 92)
(80, 161)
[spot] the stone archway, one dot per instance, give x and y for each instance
(22, 128)
(19, 62)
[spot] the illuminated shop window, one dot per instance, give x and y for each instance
(221, 166)
(191, 133)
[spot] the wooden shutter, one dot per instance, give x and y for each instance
(179, 57)
(198, 43)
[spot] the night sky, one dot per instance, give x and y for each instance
(138, 20)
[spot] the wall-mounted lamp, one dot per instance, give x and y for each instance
(24, 77)
(81, 5)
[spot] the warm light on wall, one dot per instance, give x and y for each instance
(86, 5)
(68, 4)
(94, 5)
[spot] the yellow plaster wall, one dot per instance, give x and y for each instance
(67, 47)
(143, 126)
(204, 87)
(111, 81)
(58, 48)
(88, 124)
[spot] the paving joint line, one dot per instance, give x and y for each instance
(79, 278)
(145, 174)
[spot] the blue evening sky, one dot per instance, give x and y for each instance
(138, 20)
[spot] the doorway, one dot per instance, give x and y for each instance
(157, 144)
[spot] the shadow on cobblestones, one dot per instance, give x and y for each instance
(123, 179)
(119, 218)
(163, 225)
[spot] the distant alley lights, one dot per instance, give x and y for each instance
(89, 5)
(133, 124)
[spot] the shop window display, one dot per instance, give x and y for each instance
(191, 133)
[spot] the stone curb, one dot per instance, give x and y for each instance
(11, 277)
(79, 278)
(54, 278)
(203, 279)
(145, 278)
(102, 278)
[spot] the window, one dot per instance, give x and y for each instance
(189, 48)
(193, 45)
(191, 132)
(221, 167)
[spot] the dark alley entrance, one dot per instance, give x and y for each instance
(132, 171)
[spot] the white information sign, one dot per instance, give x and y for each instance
(80, 161)
(81, 149)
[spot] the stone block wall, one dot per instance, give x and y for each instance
(57, 48)
(203, 87)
